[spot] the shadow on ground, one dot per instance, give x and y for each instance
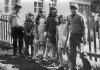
(19, 63)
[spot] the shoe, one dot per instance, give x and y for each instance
(73, 69)
(54, 58)
(60, 68)
(33, 59)
(21, 54)
(14, 54)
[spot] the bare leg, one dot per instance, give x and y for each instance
(60, 57)
(54, 51)
(32, 48)
(43, 47)
(67, 54)
(36, 49)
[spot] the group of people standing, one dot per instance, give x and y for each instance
(58, 30)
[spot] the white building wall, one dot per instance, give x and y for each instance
(1, 6)
(46, 7)
(63, 6)
(27, 7)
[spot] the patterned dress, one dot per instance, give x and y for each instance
(41, 28)
(62, 35)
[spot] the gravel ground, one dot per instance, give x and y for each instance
(9, 62)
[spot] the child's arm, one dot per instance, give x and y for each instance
(31, 31)
(25, 27)
(36, 28)
(57, 35)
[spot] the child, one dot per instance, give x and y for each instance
(40, 24)
(28, 34)
(51, 25)
(63, 32)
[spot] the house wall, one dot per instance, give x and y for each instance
(63, 6)
(1, 6)
(28, 6)
(46, 6)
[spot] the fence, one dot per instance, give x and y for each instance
(93, 47)
(5, 32)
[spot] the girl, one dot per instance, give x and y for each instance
(40, 28)
(63, 32)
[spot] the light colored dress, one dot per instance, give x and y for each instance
(41, 28)
(62, 35)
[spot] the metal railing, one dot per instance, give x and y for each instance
(5, 32)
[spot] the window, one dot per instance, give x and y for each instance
(35, 10)
(6, 2)
(39, 9)
(35, 4)
(53, 3)
(6, 7)
(12, 8)
(13, 2)
(38, 5)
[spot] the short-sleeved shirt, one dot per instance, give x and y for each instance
(15, 20)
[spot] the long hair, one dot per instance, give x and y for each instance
(59, 19)
(37, 19)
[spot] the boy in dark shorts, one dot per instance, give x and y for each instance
(29, 34)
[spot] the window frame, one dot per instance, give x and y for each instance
(37, 7)
(6, 6)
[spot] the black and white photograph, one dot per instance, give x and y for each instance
(49, 35)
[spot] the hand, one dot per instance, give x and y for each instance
(26, 34)
(45, 33)
(84, 40)
(22, 28)
(48, 34)
(37, 36)
(29, 34)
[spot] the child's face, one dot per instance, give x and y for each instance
(73, 11)
(53, 11)
(30, 17)
(42, 15)
(63, 20)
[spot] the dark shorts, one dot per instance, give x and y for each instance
(52, 37)
(29, 39)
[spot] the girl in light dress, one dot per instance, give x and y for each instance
(40, 28)
(63, 32)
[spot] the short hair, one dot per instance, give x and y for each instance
(17, 6)
(74, 6)
(30, 14)
(41, 11)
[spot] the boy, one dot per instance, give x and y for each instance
(77, 32)
(29, 34)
